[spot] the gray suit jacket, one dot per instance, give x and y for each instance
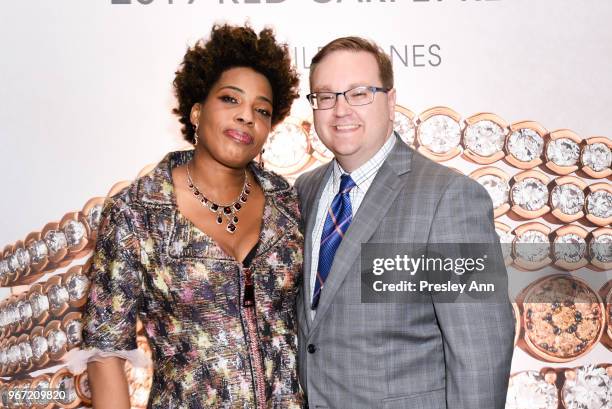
(402, 356)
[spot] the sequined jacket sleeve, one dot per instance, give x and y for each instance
(109, 320)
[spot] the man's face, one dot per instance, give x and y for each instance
(353, 133)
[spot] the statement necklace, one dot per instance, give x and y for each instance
(228, 211)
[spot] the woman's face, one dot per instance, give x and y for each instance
(236, 117)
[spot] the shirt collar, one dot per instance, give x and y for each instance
(363, 173)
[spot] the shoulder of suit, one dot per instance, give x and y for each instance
(439, 176)
(314, 174)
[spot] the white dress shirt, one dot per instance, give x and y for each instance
(363, 177)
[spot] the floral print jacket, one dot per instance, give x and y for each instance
(209, 351)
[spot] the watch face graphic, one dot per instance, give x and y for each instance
(563, 318)
(287, 149)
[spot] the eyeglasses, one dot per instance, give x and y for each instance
(354, 96)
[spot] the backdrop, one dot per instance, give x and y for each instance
(86, 85)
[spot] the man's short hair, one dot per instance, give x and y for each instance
(385, 69)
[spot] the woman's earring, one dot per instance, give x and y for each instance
(195, 135)
(261, 161)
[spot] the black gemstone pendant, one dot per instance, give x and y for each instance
(231, 227)
(243, 199)
(227, 210)
(214, 207)
(237, 206)
(235, 220)
(219, 220)
(247, 191)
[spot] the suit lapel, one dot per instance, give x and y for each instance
(313, 197)
(379, 198)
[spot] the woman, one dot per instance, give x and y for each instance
(205, 250)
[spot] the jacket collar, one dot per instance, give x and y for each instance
(157, 188)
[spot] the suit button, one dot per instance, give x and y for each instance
(311, 348)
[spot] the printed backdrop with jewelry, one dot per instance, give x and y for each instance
(514, 93)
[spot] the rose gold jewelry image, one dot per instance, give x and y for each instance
(562, 151)
(484, 137)
(40, 347)
(599, 203)
(586, 386)
(567, 198)
(529, 194)
(497, 183)
(506, 238)
(532, 386)
(76, 282)
(57, 296)
(56, 339)
(563, 318)
(63, 383)
(37, 249)
(55, 239)
(596, 157)
(75, 230)
(531, 246)
(91, 215)
(600, 248)
(287, 148)
(39, 303)
(439, 133)
(525, 144)
(606, 294)
(404, 125)
(570, 247)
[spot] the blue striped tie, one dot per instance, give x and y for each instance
(339, 216)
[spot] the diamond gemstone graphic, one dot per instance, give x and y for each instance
(570, 248)
(74, 231)
(532, 246)
(525, 144)
(530, 194)
(568, 198)
(601, 248)
(497, 187)
(590, 389)
(484, 138)
(599, 203)
(440, 133)
(563, 152)
(597, 156)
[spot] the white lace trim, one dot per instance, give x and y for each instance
(76, 359)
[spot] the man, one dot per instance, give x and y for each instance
(427, 355)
